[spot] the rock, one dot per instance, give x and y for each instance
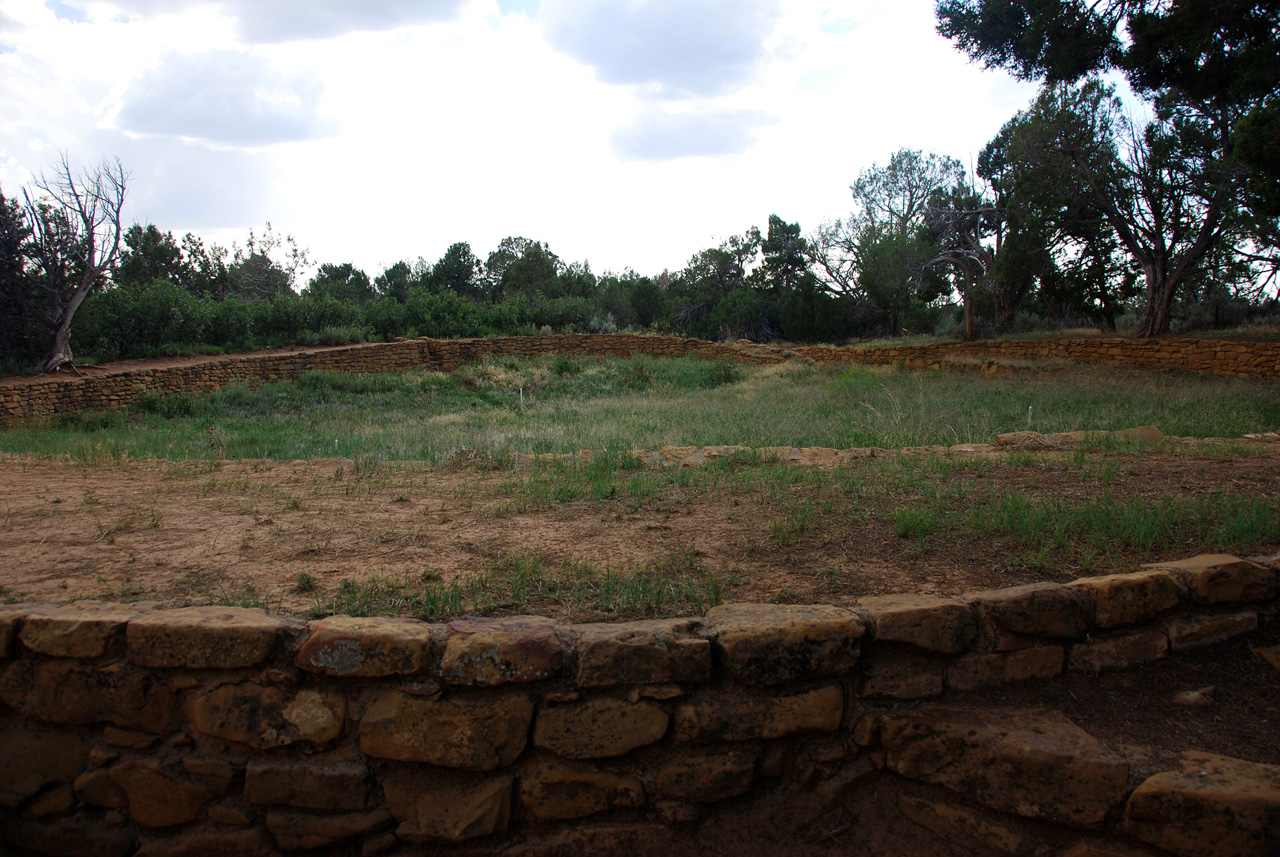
(335, 786)
(84, 629)
(717, 716)
(1201, 698)
(80, 694)
(1039, 609)
(213, 774)
(157, 798)
(1118, 652)
(1039, 662)
(128, 738)
(31, 758)
(1188, 632)
(442, 805)
(901, 675)
(203, 638)
(706, 778)
(768, 644)
(961, 825)
(1036, 764)
(656, 652)
(241, 843)
(943, 625)
(973, 672)
(266, 717)
(59, 837)
(477, 733)
(1222, 578)
(295, 831)
(589, 840)
(97, 788)
(228, 816)
(486, 652)
(366, 647)
(1130, 599)
(11, 619)
(599, 728)
(51, 803)
(550, 791)
(1214, 806)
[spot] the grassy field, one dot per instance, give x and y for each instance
(564, 404)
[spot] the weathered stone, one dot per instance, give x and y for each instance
(477, 733)
(551, 791)
(51, 803)
(213, 774)
(772, 643)
(203, 637)
(228, 815)
(1191, 631)
(901, 675)
(1035, 764)
(485, 652)
(1221, 578)
(1038, 609)
(97, 788)
(78, 693)
(442, 805)
(294, 831)
(944, 625)
(84, 629)
(973, 672)
(1118, 652)
(1130, 599)
(1040, 662)
(961, 825)
(11, 619)
(1213, 807)
(61, 837)
(128, 738)
(1107, 849)
(266, 717)
(718, 716)
(307, 785)
(197, 843)
(366, 647)
(599, 728)
(587, 840)
(654, 652)
(30, 759)
(707, 778)
(157, 798)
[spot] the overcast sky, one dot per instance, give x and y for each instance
(628, 133)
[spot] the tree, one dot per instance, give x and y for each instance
(344, 282)
(17, 286)
(395, 282)
(150, 254)
(459, 271)
(255, 272)
(76, 231)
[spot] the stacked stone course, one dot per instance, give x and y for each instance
(127, 729)
(115, 389)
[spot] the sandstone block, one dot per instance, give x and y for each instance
(1038, 609)
(213, 774)
(78, 693)
(768, 644)
(729, 717)
(1190, 631)
(157, 798)
(366, 647)
(1222, 578)
(973, 672)
(1130, 599)
(654, 652)
(944, 625)
(901, 675)
(50, 803)
(580, 840)
(707, 778)
(476, 733)
(97, 788)
(599, 728)
(11, 619)
(486, 652)
(265, 717)
(294, 831)
(31, 758)
(336, 786)
(1213, 807)
(1040, 662)
(1036, 764)
(1118, 652)
(962, 825)
(550, 791)
(241, 843)
(85, 629)
(59, 837)
(440, 805)
(202, 638)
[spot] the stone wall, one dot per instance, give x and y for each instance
(127, 729)
(117, 388)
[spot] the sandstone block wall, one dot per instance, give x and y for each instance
(126, 729)
(114, 389)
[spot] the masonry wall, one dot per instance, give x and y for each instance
(126, 729)
(114, 389)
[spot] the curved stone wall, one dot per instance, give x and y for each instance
(126, 729)
(114, 388)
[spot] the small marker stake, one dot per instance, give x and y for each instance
(1028, 416)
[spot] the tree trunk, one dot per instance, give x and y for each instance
(1160, 289)
(968, 317)
(60, 354)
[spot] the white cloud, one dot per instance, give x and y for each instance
(659, 134)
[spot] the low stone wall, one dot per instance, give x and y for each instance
(114, 389)
(126, 729)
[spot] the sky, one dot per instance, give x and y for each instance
(624, 133)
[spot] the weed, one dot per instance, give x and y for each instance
(914, 522)
(305, 582)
